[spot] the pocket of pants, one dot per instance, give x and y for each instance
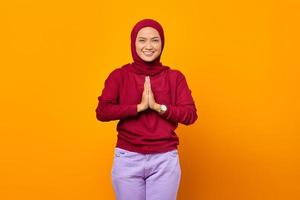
(118, 155)
(122, 153)
(173, 153)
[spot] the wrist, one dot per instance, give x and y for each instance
(139, 107)
(156, 107)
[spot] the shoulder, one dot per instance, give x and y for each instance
(117, 72)
(176, 74)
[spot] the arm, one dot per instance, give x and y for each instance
(108, 108)
(184, 111)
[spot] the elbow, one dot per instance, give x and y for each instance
(191, 120)
(101, 116)
(194, 119)
(101, 112)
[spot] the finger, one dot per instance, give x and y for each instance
(146, 81)
(148, 88)
(145, 87)
(149, 84)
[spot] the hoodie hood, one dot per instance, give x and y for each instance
(140, 66)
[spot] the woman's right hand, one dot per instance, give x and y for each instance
(145, 102)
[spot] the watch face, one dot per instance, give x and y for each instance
(163, 108)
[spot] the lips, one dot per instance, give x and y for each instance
(148, 53)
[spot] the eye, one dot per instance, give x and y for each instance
(141, 40)
(156, 40)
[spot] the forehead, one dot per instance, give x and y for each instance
(148, 31)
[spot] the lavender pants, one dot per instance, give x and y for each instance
(137, 176)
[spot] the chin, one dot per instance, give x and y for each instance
(147, 59)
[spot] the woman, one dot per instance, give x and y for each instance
(149, 100)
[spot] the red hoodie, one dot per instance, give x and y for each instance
(146, 131)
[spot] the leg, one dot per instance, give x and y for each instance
(127, 175)
(163, 180)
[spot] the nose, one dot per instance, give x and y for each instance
(148, 45)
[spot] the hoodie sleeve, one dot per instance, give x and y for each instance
(184, 111)
(108, 108)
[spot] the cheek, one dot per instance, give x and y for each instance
(158, 49)
(138, 47)
(158, 46)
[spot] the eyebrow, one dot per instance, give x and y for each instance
(146, 38)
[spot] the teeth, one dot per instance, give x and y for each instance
(148, 53)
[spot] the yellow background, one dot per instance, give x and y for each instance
(241, 61)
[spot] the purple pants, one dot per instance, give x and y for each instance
(137, 176)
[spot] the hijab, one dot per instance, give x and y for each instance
(139, 65)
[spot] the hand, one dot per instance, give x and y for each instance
(148, 100)
(152, 103)
(145, 99)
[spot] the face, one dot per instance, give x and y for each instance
(148, 44)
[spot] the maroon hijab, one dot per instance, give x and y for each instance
(140, 66)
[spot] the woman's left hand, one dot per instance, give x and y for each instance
(152, 103)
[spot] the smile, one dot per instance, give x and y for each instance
(148, 53)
